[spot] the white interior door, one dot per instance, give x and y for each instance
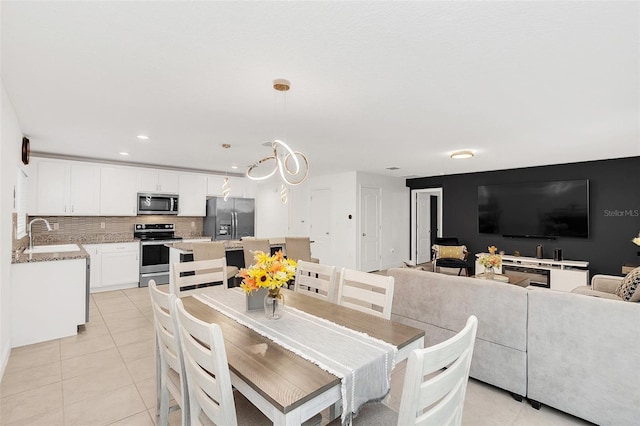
(321, 224)
(423, 228)
(426, 222)
(370, 227)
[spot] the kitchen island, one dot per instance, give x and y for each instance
(183, 252)
(49, 295)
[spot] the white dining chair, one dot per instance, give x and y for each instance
(434, 388)
(187, 278)
(366, 292)
(208, 378)
(316, 280)
(435, 383)
(208, 250)
(171, 380)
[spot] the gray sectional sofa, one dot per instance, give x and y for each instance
(440, 304)
(577, 353)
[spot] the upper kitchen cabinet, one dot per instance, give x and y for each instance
(157, 181)
(66, 189)
(240, 187)
(193, 195)
(117, 191)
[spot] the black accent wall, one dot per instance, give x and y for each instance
(614, 211)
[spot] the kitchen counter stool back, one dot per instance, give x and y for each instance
(213, 250)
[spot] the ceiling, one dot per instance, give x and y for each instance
(373, 84)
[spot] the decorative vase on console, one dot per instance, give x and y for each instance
(490, 262)
(489, 272)
(268, 273)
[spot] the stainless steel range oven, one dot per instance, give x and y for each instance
(154, 255)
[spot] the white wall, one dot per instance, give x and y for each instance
(344, 245)
(272, 217)
(10, 143)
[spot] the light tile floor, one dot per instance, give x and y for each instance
(105, 376)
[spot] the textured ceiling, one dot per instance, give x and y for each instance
(374, 84)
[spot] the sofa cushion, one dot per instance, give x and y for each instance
(449, 252)
(629, 288)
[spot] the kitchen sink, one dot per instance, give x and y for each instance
(56, 248)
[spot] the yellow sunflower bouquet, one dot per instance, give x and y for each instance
(270, 272)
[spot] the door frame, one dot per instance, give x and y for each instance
(414, 220)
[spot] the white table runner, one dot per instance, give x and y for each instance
(362, 362)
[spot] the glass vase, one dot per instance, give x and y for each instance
(273, 303)
(489, 272)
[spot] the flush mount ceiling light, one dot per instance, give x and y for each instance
(292, 165)
(462, 154)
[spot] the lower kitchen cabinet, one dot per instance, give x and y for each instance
(48, 300)
(114, 266)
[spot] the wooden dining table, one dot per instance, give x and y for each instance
(287, 388)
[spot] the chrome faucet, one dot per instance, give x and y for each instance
(31, 223)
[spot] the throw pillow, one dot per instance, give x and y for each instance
(450, 252)
(629, 288)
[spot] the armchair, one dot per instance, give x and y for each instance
(601, 286)
(449, 253)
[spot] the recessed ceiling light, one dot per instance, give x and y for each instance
(124, 153)
(393, 168)
(462, 154)
(234, 167)
(143, 137)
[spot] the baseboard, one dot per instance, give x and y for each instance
(6, 351)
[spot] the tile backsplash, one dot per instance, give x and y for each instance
(97, 229)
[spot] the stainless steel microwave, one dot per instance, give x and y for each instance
(157, 203)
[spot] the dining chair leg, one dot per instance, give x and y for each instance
(164, 402)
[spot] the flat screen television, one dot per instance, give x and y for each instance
(535, 210)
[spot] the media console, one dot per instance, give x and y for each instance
(563, 275)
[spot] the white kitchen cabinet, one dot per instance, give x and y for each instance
(67, 189)
(193, 194)
(48, 300)
(114, 266)
(240, 187)
(149, 180)
(117, 191)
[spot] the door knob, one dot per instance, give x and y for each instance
(364, 235)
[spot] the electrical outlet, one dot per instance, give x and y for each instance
(56, 226)
(193, 224)
(102, 225)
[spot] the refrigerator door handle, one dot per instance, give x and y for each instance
(234, 225)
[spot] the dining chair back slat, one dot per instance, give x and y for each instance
(366, 292)
(316, 280)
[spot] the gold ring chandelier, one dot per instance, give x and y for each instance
(292, 165)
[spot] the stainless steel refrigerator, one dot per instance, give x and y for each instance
(229, 220)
